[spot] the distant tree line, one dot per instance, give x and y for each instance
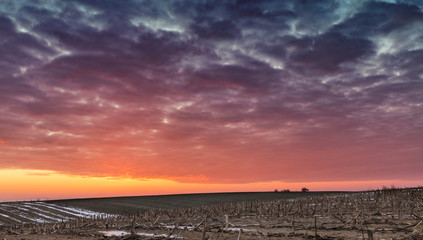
(304, 189)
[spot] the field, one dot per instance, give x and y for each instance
(381, 214)
(118, 205)
(40, 212)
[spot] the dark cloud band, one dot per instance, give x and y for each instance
(232, 91)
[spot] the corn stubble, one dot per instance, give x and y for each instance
(387, 213)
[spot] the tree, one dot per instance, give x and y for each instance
(304, 189)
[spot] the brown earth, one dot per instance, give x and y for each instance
(389, 214)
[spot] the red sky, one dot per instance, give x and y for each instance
(184, 96)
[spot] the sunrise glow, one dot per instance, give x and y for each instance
(126, 98)
(22, 184)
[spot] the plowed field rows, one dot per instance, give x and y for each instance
(40, 212)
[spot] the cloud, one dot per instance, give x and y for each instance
(326, 53)
(211, 91)
(379, 17)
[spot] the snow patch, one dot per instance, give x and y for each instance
(153, 235)
(189, 228)
(9, 217)
(234, 229)
(68, 210)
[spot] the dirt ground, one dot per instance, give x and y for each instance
(247, 228)
(395, 214)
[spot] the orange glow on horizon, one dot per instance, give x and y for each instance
(216, 101)
(41, 184)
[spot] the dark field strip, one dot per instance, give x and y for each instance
(118, 205)
(40, 212)
(6, 221)
(50, 213)
(21, 211)
(12, 216)
(57, 210)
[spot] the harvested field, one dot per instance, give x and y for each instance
(387, 214)
(40, 212)
(119, 205)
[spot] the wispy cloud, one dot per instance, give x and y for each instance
(208, 91)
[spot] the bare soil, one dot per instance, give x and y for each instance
(389, 214)
(119, 205)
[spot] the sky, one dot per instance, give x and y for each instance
(157, 97)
